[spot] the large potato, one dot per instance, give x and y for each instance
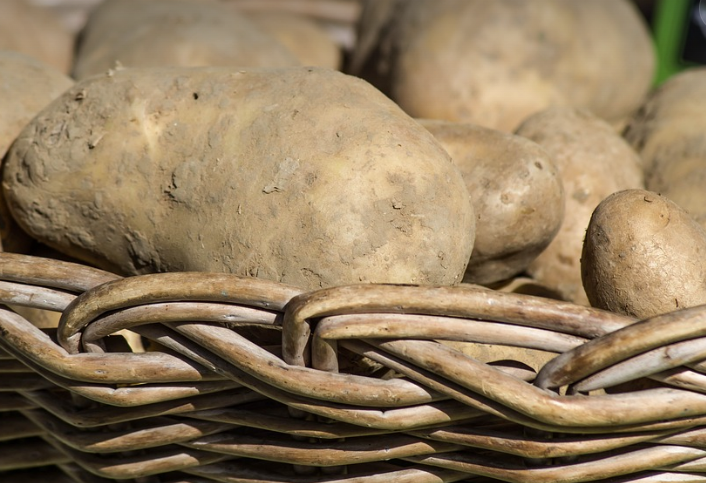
(183, 33)
(668, 132)
(517, 194)
(494, 63)
(37, 32)
(301, 175)
(27, 86)
(643, 256)
(594, 162)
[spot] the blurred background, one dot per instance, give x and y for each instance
(678, 26)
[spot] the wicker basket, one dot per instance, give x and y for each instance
(251, 381)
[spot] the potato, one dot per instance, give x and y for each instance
(494, 63)
(517, 194)
(27, 86)
(643, 256)
(135, 33)
(36, 32)
(302, 36)
(668, 132)
(594, 161)
(300, 175)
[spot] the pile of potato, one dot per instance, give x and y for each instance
(449, 141)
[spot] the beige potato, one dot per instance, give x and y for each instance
(643, 256)
(186, 33)
(27, 86)
(594, 161)
(37, 32)
(668, 132)
(517, 194)
(494, 63)
(301, 175)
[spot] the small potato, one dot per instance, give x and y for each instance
(517, 194)
(185, 33)
(668, 132)
(594, 162)
(35, 31)
(301, 175)
(643, 256)
(28, 85)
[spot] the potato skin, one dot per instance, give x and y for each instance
(185, 33)
(494, 63)
(28, 85)
(302, 175)
(517, 194)
(594, 161)
(668, 132)
(643, 256)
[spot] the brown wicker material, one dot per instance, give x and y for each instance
(251, 381)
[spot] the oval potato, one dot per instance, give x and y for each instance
(517, 194)
(305, 176)
(494, 63)
(643, 256)
(185, 33)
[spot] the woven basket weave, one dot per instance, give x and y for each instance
(251, 381)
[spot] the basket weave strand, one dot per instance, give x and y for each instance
(248, 380)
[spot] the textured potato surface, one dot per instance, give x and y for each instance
(643, 256)
(186, 33)
(27, 86)
(301, 175)
(517, 194)
(494, 63)
(668, 132)
(594, 162)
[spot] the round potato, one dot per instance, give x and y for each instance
(517, 194)
(186, 33)
(643, 256)
(305, 176)
(27, 86)
(668, 132)
(494, 63)
(594, 162)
